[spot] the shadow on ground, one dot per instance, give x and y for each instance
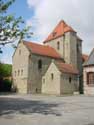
(9, 106)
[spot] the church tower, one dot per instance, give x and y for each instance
(65, 41)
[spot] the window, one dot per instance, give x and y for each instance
(22, 72)
(39, 64)
(58, 45)
(90, 78)
(15, 73)
(69, 79)
(36, 90)
(52, 76)
(19, 51)
(18, 72)
(43, 80)
(63, 37)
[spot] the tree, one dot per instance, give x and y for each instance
(5, 70)
(5, 73)
(11, 28)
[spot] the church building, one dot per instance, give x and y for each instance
(55, 67)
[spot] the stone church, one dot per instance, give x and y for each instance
(55, 67)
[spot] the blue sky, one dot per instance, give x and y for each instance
(19, 8)
(44, 15)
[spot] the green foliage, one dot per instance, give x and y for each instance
(4, 6)
(5, 70)
(11, 28)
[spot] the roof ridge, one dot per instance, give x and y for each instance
(61, 28)
(68, 68)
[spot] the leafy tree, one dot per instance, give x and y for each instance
(5, 70)
(11, 28)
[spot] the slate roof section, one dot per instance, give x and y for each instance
(42, 50)
(66, 68)
(90, 60)
(60, 30)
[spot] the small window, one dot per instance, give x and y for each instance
(58, 45)
(15, 73)
(69, 79)
(63, 37)
(43, 80)
(18, 72)
(36, 90)
(39, 64)
(90, 78)
(19, 51)
(22, 72)
(52, 76)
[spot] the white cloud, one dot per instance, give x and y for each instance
(77, 13)
(33, 3)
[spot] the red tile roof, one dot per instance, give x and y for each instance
(66, 68)
(85, 57)
(42, 50)
(60, 29)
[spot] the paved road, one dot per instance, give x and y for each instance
(46, 110)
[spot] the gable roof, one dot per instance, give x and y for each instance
(90, 60)
(60, 30)
(66, 68)
(42, 50)
(84, 57)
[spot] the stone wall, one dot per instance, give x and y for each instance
(54, 44)
(67, 86)
(20, 68)
(60, 83)
(51, 85)
(35, 74)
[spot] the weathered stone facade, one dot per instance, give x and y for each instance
(60, 83)
(31, 79)
(51, 86)
(20, 68)
(70, 48)
(35, 74)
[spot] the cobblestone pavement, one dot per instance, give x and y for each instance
(46, 110)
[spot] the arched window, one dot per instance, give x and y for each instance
(90, 78)
(15, 73)
(52, 76)
(69, 79)
(18, 72)
(40, 64)
(22, 72)
(58, 45)
(19, 51)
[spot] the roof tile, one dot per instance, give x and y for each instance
(60, 29)
(67, 68)
(42, 49)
